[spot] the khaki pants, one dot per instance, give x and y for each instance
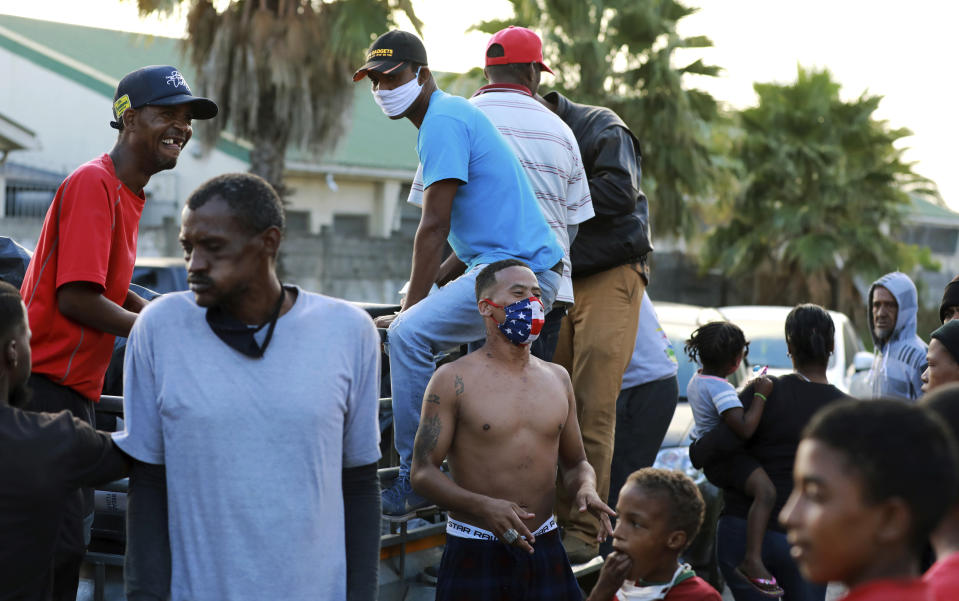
(595, 345)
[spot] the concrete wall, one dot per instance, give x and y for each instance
(26, 231)
(369, 269)
(373, 269)
(154, 241)
(675, 278)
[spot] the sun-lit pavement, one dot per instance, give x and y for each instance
(833, 592)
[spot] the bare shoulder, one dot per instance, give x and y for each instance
(450, 378)
(443, 377)
(463, 367)
(444, 372)
(556, 371)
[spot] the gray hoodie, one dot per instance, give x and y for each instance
(899, 362)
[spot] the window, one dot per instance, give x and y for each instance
(940, 240)
(409, 214)
(25, 200)
(298, 221)
(355, 226)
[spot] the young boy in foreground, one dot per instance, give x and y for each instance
(660, 512)
(943, 576)
(872, 480)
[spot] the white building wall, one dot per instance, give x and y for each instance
(377, 199)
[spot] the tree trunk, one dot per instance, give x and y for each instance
(268, 157)
(835, 287)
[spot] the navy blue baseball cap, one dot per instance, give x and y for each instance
(159, 86)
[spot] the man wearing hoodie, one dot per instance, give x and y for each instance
(900, 355)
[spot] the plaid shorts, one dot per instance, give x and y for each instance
(478, 570)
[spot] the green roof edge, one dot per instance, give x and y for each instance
(57, 67)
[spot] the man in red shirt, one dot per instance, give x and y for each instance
(76, 288)
(872, 480)
(943, 576)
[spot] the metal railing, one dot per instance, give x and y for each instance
(394, 544)
(28, 200)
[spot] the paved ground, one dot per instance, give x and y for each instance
(416, 591)
(833, 592)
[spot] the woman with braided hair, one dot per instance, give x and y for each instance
(810, 334)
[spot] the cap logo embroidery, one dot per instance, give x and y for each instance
(120, 105)
(175, 79)
(379, 52)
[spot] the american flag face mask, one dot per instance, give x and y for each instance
(524, 320)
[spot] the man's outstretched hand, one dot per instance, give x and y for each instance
(588, 500)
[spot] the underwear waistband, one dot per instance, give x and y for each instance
(464, 530)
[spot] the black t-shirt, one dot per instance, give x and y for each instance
(43, 458)
(789, 408)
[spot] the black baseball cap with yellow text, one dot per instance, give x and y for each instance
(391, 51)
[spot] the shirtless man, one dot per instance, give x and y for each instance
(504, 419)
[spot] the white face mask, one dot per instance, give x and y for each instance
(653, 592)
(395, 102)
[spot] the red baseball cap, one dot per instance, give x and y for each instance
(520, 45)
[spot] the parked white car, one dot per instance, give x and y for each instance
(765, 329)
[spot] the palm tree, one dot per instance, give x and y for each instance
(823, 189)
(280, 70)
(620, 54)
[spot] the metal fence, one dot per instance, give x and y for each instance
(28, 200)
